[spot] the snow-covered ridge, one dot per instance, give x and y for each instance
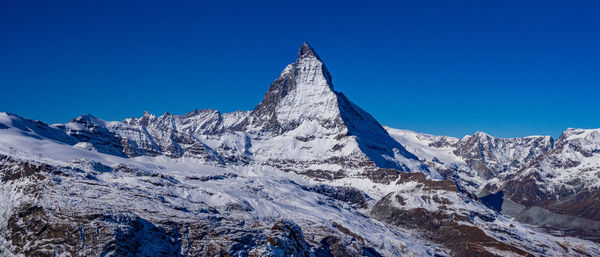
(159, 190)
(562, 176)
(566, 179)
(474, 160)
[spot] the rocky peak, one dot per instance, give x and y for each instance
(490, 155)
(481, 134)
(199, 122)
(89, 121)
(306, 51)
(584, 141)
(142, 121)
(302, 101)
(302, 92)
(571, 134)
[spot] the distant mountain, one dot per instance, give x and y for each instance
(305, 173)
(554, 184)
(474, 161)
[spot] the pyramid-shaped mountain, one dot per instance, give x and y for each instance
(303, 102)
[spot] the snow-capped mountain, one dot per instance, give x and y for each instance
(306, 173)
(563, 177)
(565, 181)
(554, 184)
(476, 159)
(303, 125)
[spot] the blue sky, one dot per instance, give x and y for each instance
(509, 68)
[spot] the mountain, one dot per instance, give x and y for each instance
(477, 159)
(539, 181)
(565, 181)
(302, 110)
(305, 173)
(568, 172)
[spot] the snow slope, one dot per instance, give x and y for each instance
(182, 189)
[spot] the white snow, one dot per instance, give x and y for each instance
(266, 191)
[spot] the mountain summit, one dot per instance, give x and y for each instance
(302, 102)
(303, 91)
(307, 51)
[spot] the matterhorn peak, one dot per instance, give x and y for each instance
(303, 92)
(306, 51)
(302, 101)
(310, 63)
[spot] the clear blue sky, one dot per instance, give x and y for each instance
(510, 68)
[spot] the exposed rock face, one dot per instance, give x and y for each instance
(303, 92)
(87, 235)
(171, 135)
(490, 156)
(560, 189)
(286, 239)
(474, 161)
(95, 134)
(346, 194)
(561, 177)
(566, 180)
(445, 215)
(86, 208)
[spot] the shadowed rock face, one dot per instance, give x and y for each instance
(493, 201)
(286, 239)
(564, 181)
(559, 177)
(89, 129)
(449, 224)
(475, 160)
(37, 230)
(491, 156)
(303, 91)
(349, 195)
(372, 138)
(80, 234)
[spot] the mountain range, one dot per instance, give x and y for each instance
(305, 173)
